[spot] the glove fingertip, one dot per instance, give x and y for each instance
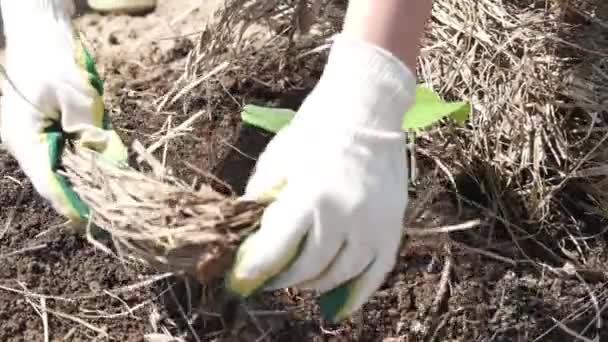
(238, 282)
(250, 275)
(271, 250)
(71, 204)
(265, 187)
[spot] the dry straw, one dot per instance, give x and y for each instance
(535, 71)
(160, 219)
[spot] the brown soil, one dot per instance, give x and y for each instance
(90, 295)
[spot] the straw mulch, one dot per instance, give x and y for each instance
(531, 160)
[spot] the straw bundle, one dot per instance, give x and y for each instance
(161, 220)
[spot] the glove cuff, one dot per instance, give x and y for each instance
(365, 86)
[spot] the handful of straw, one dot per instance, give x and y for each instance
(161, 220)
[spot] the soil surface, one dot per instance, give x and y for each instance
(54, 282)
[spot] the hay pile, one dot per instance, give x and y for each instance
(534, 70)
(533, 156)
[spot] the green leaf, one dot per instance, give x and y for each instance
(430, 109)
(268, 118)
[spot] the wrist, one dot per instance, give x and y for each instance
(364, 85)
(395, 25)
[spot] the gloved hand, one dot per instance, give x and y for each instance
(52, 96)
(337, 178)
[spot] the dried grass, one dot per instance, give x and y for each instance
(160, 219)
(532, 156)
(535, 73)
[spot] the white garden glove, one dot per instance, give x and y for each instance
(339, 175)
(53, 95)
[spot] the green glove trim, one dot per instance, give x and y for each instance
(86, 61)
(55, 138)
(55, 142)
(427, 110)
(334, 302)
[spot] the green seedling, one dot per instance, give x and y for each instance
(267, 118)
(428, 110)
